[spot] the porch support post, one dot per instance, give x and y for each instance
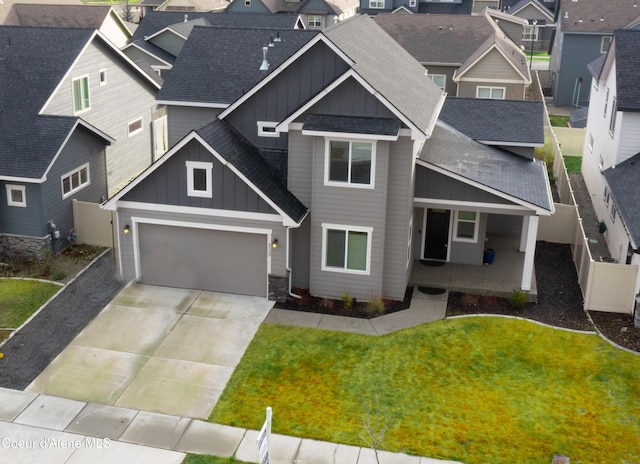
(524, 233)
(530, 251)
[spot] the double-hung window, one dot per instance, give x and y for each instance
(16, 195)
(346, 248)
(604, 45)
(466, 226)
(530, 33)
(315, 21)
(349, 163)
(199, 179)
(81, 101)
(376, 4)
(75, 180)
(438, 79)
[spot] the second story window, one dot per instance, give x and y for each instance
(530, 33)
(376, 4)
(490, 92)
(315, 21)
(438, 79)
(349, 163)
(81, 100)
(604, 45)
(199, 179)
(75, 180)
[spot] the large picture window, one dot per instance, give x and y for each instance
(349, 163)
(81, 101)
(346, 248)
(75, 180)
(199, 179)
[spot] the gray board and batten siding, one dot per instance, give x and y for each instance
(134, 97)
(167, 185)
(184, 119)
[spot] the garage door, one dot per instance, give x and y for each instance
(221, 261)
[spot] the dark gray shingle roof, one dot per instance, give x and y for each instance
(33, 62)
(511, 174)
(627, 50)
(217, 65)
(508, 121)
(625, 190)
(596, 16)
(351, 124)
(230, 144)
(42, 15)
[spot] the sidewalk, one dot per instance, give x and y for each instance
(49, 430)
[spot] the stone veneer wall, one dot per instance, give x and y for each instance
(278, 288)
(25, 246)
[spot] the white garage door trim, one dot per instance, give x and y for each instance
(193, 225)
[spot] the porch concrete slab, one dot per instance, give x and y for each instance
(13, 402)
(213, 439)
(102, 421)
(367, 456)
(230, 306)
(89, 374)
(172, 386)
(282, 448)
(422, 310)
(128, 329)
(208, 340)
(346, 324)
(50, 412)
(151, 296)
(156, 430)
(322, 452)
(34, 451)
(297, 318)
(124, 452)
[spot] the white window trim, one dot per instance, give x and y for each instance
(21, 188)
(491, 89)
(532, 36)
(84, 76)
(476, 223)
(590, 143)
(614, 213)
(208, 167)
(607, 195)
(316, 17)
(444, 77)
(79, 187)
(413, 3)
(326, 227)
(602, 47)
(376, 2)
(262, 125)
(612, 121)
(606, 103)
(136, 131)
(348, 184)
(102, 72)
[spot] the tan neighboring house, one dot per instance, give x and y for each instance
(201, 6)
(101, 18)
(467, 56)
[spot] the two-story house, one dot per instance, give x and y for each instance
(315, 14)
(461, 7)
(584, 30)
(540, 27)
(48, 93)
(466, 56)
(310, 168)
(611, 158)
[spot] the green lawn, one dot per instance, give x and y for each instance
(201, 459)
(573, 164)
(476, 390)
(558, 120)
(539, 56)
(19, 299)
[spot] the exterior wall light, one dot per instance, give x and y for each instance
(274, 244)
(126, 229)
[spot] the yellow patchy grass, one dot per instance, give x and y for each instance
(475, 390)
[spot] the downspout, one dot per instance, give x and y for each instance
(288, 267)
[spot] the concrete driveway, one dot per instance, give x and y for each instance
(157, 349)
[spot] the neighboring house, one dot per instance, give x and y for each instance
(507, 5)
(102, 18)
(7, 5)
(512, 25)
(89, 82)
(583, 32)
(310, 168)
(161, 35)
(315, 14)
(194, 6)
(467, 56)
(611, 157)
(461, 7)
(537, 33)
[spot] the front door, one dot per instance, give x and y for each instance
(436, 235)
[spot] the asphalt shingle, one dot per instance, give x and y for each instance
(627, 54)
(625, 190)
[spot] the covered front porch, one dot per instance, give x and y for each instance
(499, 278)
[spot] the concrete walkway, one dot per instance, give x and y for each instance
(50, 430)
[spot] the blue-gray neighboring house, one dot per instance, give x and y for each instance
(315, 14)
(306, 167)
(460, 7)
(583, 33)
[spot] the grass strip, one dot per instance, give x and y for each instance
(19, 299)
(475, 390)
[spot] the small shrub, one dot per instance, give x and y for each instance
(375, 307)
(518, 299)
(348, 300)
(58, 276)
